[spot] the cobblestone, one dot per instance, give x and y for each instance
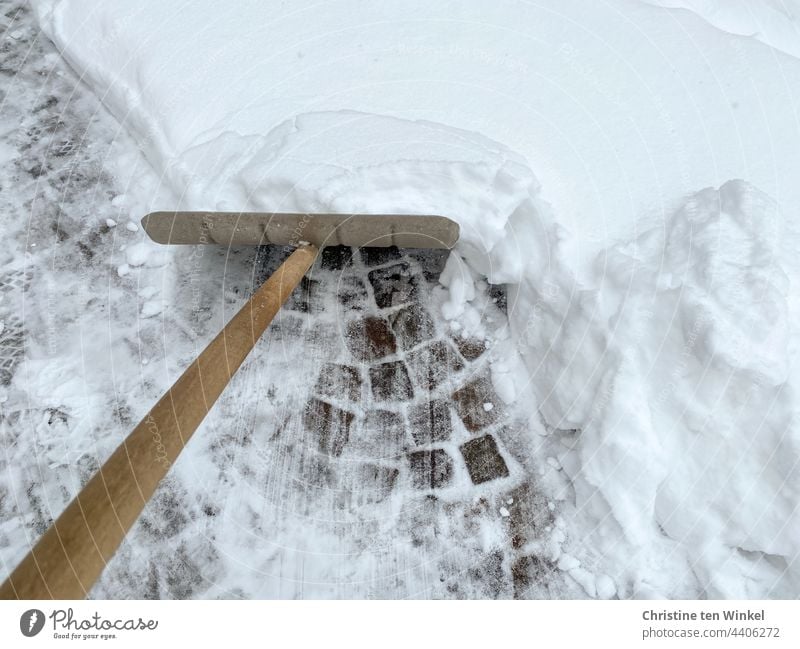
(430, 469)
(394, 285)
(431, 260)
(430, 422)
(336, 257)
(527, 571)
(332, 424)
(470, 348)
(370, 339)
(529, 514)
(376, 480)
(483, 459)
(470, 403)
(372, 256)
(381, 435)
(390, 382)
(352, 293)
(412, 325)
(339, 381)
(434, 364)
(306, 297)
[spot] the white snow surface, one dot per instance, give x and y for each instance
(775, 22)
(573, 142)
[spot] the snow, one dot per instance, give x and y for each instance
(457, 277)
(137, 254)
(605, 587)
(775, 22)
(563, 84)
(143, 253)
(592, 153)
(151, 308)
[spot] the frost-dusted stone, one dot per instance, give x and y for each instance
(375, 256)
(374, 482)
(318, 471)
(431, 260)
(394, 285)
(470, 348)
(529, 572)
(412, 325)
(341, 381)
(483, 459)
(287, 326)
(433, 364)
(469, 403)
(12, 347)
(430, 469)
(352, 292)
(336, 257)
(430, 422)
(306, 297)
(488, 575)
(381, 435)
(331, 424)
(370, 338)
(390, 382)
(386, 421)
(529, 515)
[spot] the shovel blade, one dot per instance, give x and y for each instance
(262, 228)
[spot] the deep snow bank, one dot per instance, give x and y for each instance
(620, 107)
(774, 22)
(679, 373)
(349, 162)
(662, 331)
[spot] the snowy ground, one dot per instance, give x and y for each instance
(615, 415)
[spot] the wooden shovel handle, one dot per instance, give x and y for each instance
(69, 558)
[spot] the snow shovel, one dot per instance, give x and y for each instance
(69, 558)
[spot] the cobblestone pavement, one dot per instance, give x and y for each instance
(360, 452)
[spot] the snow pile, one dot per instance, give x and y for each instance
(619, 107)
(349, 162)
(670, 352)
(775, 22)
(685, 396)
